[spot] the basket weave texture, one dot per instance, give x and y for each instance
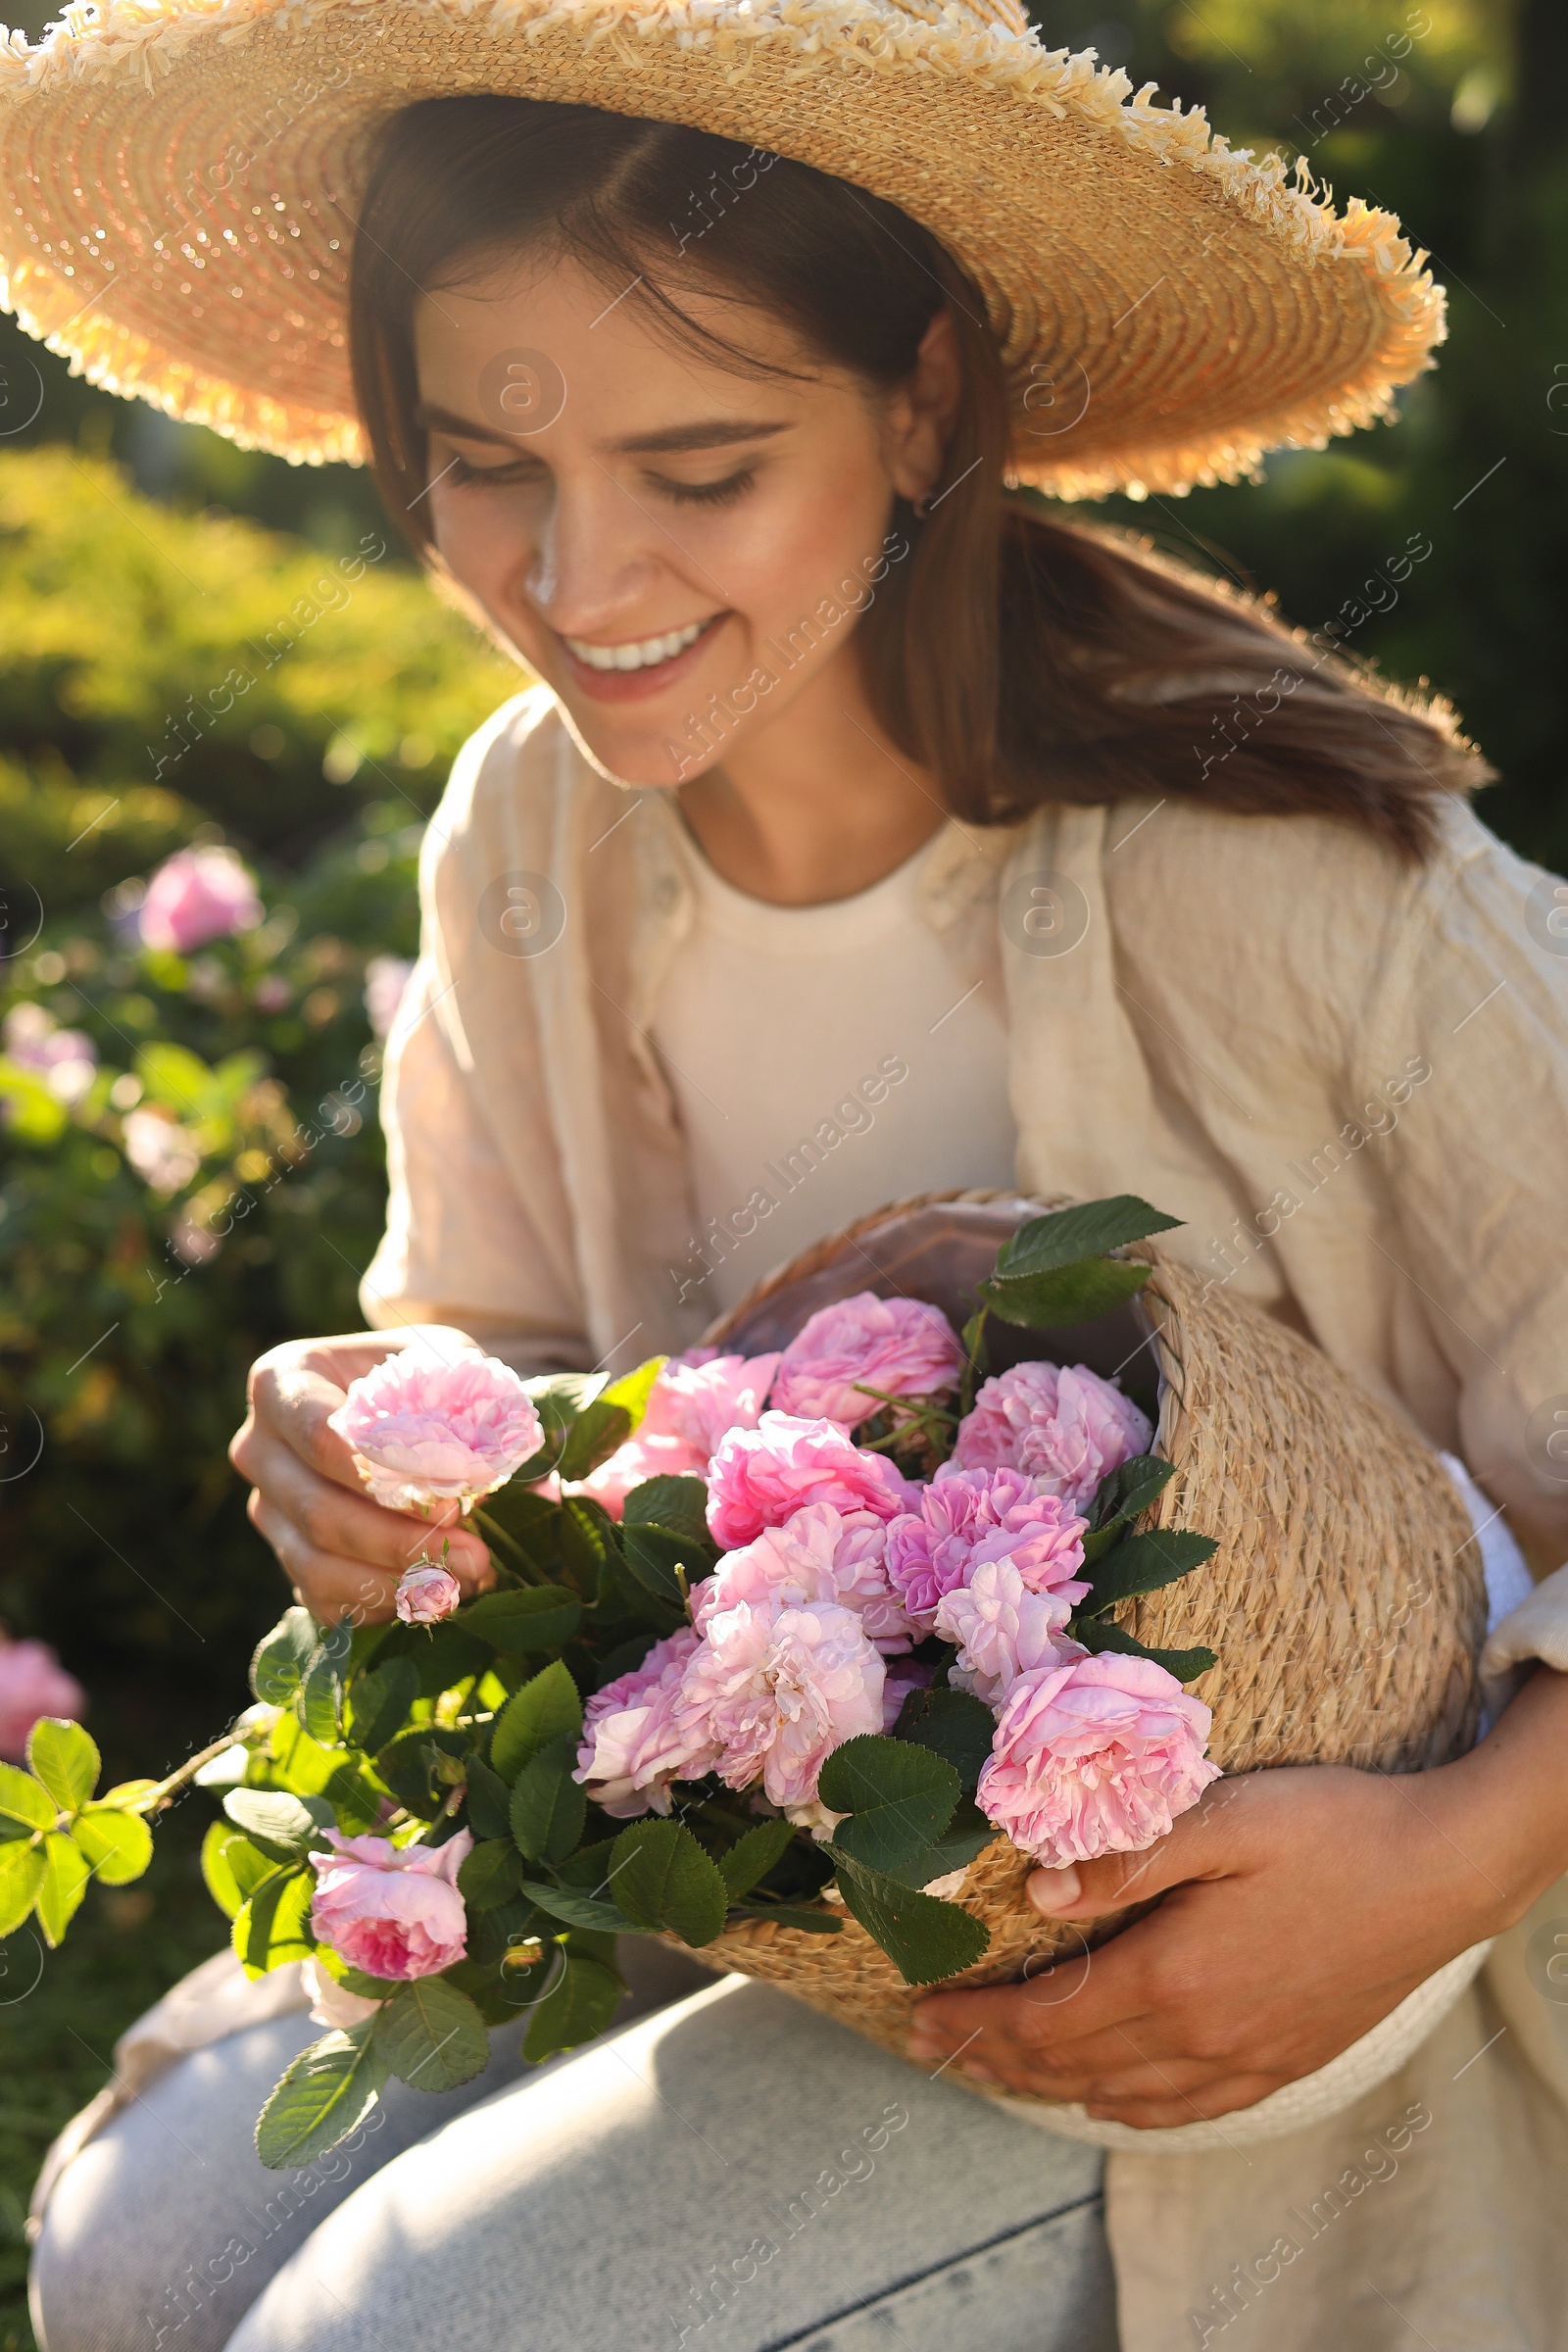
(1346, 1601)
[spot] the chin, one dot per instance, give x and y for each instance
(634, 759)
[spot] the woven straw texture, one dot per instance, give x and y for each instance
(181, 179)
(1346, 1602)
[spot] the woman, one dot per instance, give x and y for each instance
(962, 846)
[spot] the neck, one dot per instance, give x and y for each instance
(817, 805)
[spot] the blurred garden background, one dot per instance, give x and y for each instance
(205, 651)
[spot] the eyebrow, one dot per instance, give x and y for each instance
(713, 432)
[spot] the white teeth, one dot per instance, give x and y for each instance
(640, 656)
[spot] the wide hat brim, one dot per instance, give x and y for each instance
(183, 177)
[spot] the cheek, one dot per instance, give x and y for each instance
(806, 535)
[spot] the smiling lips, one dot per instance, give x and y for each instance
(645, 653)
(641, 668)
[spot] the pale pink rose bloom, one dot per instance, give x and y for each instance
(160, 1148)
(759, 1477)
(819, 1553)
(1002, 1630)
(632, 1748)
(776, 1690)
(1096, 1757)
(427, 1594)
(967, 1517)
(195, 895)
(386, 977)
(33, 1683)
(1061, 1423)
(391, 1911)
(902, 1347)
(691, 1407)
(331, 2003)
(427, 1429)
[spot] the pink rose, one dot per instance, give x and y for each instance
(427, 1430)
(1063, 1425)
(195, 895)
(391, 1911)
(902, 1347)
(632, 1747)
(33, 1683)
(817, 1554)
(1002, 1630)
(968, 1516)
(427, 1594)
(691, 1407)
(757, 1478)
(776, 1690)
(1096, 1757)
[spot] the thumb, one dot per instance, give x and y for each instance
(1203, 1843)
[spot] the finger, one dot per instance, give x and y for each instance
(1162, 2111)
(351, 1526)
(294, 1399)
(1212, 1841)
(335, 1589)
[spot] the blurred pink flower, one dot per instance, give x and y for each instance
(899, 1346)
(1002, 1630)
(392, 1911)
(385, 979)
(65, 1059)
(819, 1553)
(759, 1477)
(631, 1749)
(429, 1430)
(1061, 1423)
(1096, 1757)
(691, 1407)
(195, 895)
(426, 1594)
(964, 1517)
(33, 1683)
(775, 1690)
(160, 1148)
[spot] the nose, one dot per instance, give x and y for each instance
(594, 555)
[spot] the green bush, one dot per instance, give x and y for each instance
(130, 1309)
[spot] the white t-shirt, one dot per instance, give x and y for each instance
(824, 1060)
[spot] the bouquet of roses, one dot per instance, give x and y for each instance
(777, 1638)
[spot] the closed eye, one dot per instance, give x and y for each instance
(707, 494)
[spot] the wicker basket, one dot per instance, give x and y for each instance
(1346, 1601)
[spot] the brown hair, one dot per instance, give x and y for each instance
(1018, 656)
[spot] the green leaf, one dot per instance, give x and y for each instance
(662, 1879)
(575, 1908)
(966, 1835)
(535, 1617)
(409, 1767)
(654, 1553)
(593, 1438)
(582, 2004)
(444, 1655)
(380, 1699)
(549, 1808)
(232, 1867)
(321, 1702)
(489, 1801)
(430, 2035)
(588, 1543)
(1146, 1562)
(118, 1846)
(324, 2092)
(1065, 1236)
(64, 1884)
(795, 1915)
(491, 1875)
(22, 1869)
(678, 1503)
(493, 1934)
(951, 1724)
(925, 1938)
(899, 1797)
(66, 1759)
(1122, 1495)
(294, 1823)
(752, 1857)
(633, 1388)
(284, 1658)
(544, 1709)
(1097, 1634)
(1068, 1295)
(273, 1927)
(24, 1799)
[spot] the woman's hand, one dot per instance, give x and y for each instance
(342, 1553)
(1305, 1904)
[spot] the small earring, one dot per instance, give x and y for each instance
(921, 507)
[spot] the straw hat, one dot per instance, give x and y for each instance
(181, 179)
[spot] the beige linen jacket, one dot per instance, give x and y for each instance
(1348, 1077)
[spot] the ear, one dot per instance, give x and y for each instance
(922, 412)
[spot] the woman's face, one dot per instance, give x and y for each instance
(677, 550)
